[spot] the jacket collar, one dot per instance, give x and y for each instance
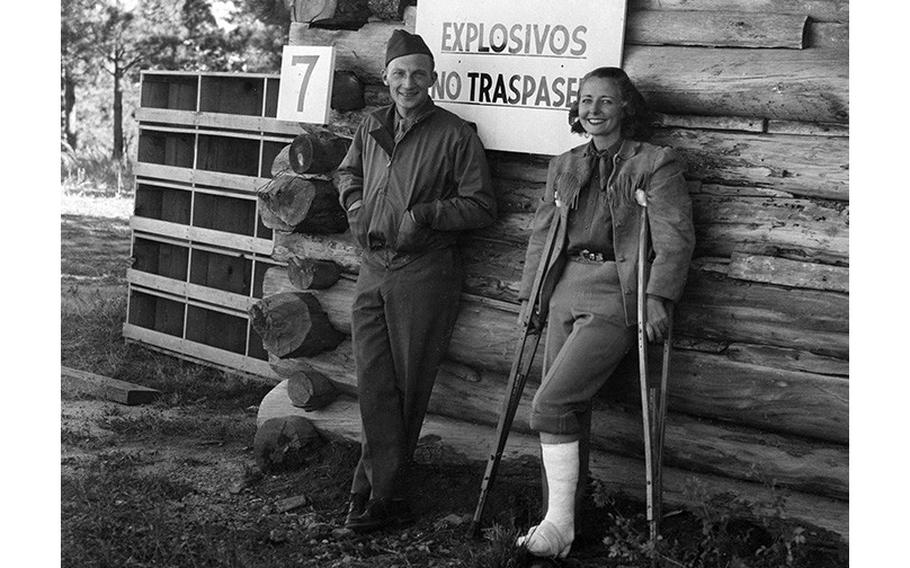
(627, 149)
(579, 169)
(383, 126)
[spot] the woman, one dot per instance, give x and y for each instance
(590, 286)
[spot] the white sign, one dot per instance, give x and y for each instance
(513, 67)
(305, 88)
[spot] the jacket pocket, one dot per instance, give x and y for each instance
(358, 227)
(412, 236)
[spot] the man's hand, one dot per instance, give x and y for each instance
(657, 319)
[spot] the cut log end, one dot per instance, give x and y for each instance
(311, 391)
(317, 150)
(291, 203)
(307, 273)
(293, 324)
(283, 444)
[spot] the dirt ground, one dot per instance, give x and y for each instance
(174, 483)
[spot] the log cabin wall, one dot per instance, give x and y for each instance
(753, 94)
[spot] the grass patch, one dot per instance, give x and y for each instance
(92, 171)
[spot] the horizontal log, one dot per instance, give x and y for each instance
(458, 440)
(803, 165)
(692, 443)
(807, 128)
(715, 29)
(783, 83)
(767, 398)
(789, 84)
(790, 359)
(736, 123)
(814, 166)
(793, 228)
(728, 310)
(643, 27)
(725, 223)
(819, 10)
(699, 188)
(721, 309)
(785, 272)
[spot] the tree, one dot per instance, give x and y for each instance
(76, 53)
(116, 38)
(260, 31)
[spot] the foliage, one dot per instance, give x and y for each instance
(92, 171)
(105, 44)
(723, 532)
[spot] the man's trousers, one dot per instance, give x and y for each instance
(402, 320)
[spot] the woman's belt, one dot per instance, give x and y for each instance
(590, 256)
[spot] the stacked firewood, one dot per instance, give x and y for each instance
(290, 320)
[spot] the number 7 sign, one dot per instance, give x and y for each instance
(305, 88)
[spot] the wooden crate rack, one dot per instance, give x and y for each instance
(199, 249)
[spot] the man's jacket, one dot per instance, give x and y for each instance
(437, 171)
(637, 165)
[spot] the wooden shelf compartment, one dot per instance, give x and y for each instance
(221, 270)
(216, 328)
(152, 117)
(232, 94)
(228, 154)
(271, 96)
(166, 146)
(196, 352)
(270, 150)
(196, 322)
(160, 256)
(163, 201)
(169, 91)
(155, 311)
(164, 230)
(225, 213)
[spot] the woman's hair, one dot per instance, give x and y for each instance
(637, 119)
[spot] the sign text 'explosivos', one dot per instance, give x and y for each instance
(513, 68)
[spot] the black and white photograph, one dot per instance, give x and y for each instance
(459, 283)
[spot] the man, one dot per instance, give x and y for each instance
(414, 177)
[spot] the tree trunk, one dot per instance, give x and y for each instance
(117, 153)
(68, 103)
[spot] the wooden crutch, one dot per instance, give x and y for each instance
(653, 399)
(531, 322)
